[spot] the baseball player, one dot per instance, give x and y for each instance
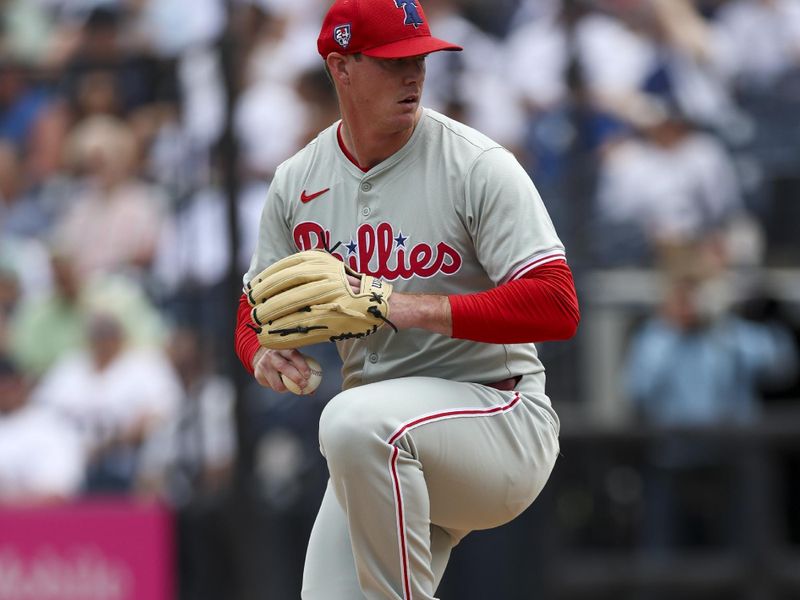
(443, 426)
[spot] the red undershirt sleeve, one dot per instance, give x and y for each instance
(245, 339)
(540, 306)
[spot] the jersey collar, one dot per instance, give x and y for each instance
(390, 161)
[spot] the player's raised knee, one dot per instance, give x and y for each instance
(349, 425)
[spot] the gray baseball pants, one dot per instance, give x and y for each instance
(415, 464)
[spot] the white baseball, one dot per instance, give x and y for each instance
(313, 381)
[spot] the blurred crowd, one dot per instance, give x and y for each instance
(659, 133)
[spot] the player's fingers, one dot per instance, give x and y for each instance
(266, 372)
(298, 360)
(269, 378)
(355, 283)
(291, 364)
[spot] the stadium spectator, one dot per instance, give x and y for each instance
(59, 314)
(24, 261)
(280, 92)
(570, 68)
(696, 363)
(201, 88)
(9, 298)
(116, 396)
(22, 104)
(273, 51)
(115, 220)
(31, 119)
(24, 30)
(189, 465)
(527, 11)
(107, 69)
(55, 316)
(24, 212)
(608, 54)
(270, 122)
(670, 181)
(551, 69)
(40, 459)
(191, 457)
(471, 86)
(165, 26)
(577, 47)
(680, 64)
(771, 53)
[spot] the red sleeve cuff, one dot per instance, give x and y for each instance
(245, 339)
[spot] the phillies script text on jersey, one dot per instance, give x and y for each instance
(387, 248)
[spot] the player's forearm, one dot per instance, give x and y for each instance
(421, 311)
(541, 306)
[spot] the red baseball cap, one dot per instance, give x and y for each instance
(378, 28)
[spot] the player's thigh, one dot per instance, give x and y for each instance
(330, 572)
(483, 471)
(486, 454)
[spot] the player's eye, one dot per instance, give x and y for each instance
(397, 65)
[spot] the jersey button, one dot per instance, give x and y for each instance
(366, 186)
(365, 211)
(373, 358)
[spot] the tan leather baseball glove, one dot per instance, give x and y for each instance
(306, 298)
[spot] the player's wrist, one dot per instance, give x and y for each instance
(257, 357)
(421, 311)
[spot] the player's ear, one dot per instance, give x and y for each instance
(338, 68)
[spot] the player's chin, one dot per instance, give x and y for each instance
(406, 113)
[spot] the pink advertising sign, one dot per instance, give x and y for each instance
(96, 550)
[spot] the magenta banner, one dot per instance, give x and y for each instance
(97, 550)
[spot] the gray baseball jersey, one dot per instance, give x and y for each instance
(452, 212)
(419, 453)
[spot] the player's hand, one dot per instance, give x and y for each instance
(270, 364)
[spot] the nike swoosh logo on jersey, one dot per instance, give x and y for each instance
(309, 197)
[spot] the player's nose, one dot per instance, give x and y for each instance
(414, 70)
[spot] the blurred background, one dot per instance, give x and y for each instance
(137, 143)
